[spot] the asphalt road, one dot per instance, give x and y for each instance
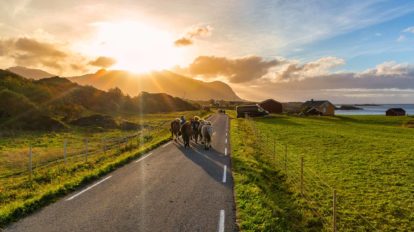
(169, 189)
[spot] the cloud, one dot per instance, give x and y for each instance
(341, 87)
(401, 38)
(30, 52)
(78, 67)
(53, 57)
(33, 47)
(200, 31)
(183, 42)
(194, 32)
(409, 30)
(250, 68)
(389, 69)
(295, 71)
(103, 62)
(236, 70)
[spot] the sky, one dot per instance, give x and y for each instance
(344, 51)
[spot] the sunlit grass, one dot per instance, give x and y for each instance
(19, 196)
(367, 159)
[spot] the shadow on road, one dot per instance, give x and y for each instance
(211, 160)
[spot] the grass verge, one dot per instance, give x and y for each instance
(263, 199)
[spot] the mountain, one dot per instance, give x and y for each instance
(156, 82)
(30, 73)
(50, 102)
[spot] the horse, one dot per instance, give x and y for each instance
(200, 135)
(195, 126)
(186, 133)
(175, 128)
(207, 133)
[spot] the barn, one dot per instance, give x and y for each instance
(322, 108)
(272, 106)
(395, 112)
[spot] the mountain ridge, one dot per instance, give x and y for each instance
(158, 81)
(30, 73)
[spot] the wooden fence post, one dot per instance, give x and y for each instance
(286, 159)
(334, 211)
(103, 146)
(274, 150)
(30, 163)
(86, 150)
(301, 175)
(65, 143)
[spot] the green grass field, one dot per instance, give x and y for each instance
(52, 177)
(368, 160)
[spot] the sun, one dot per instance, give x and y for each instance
(135, 46)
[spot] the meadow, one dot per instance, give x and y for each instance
(53, 176)
(367, 160)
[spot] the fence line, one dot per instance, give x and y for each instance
(78, 150)
(323, 203)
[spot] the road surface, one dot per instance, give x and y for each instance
(169, 189)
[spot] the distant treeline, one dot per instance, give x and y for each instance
(46, 103)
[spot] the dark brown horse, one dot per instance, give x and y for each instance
(175, 129)
(186, 133)
(196, 131)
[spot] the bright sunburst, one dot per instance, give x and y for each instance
(135, 46)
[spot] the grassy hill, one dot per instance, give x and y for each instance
(366, 159)
(51, 102)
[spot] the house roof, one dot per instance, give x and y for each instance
(396, 109)
(269, 100)
(312, 103)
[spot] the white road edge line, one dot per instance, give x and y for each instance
(166, 144)
(87, 189)
(221, 221)
(225, 174)
(225, 151)
(140, 159)
(226, 140)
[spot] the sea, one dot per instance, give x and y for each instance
(378, 109)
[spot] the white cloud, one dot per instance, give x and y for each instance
(293, 70)
(401, 38)
(389, 69)
(409, 30)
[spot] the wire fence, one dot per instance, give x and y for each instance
(26, 161)
(317, 197)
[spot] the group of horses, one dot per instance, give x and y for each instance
(196, 129)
